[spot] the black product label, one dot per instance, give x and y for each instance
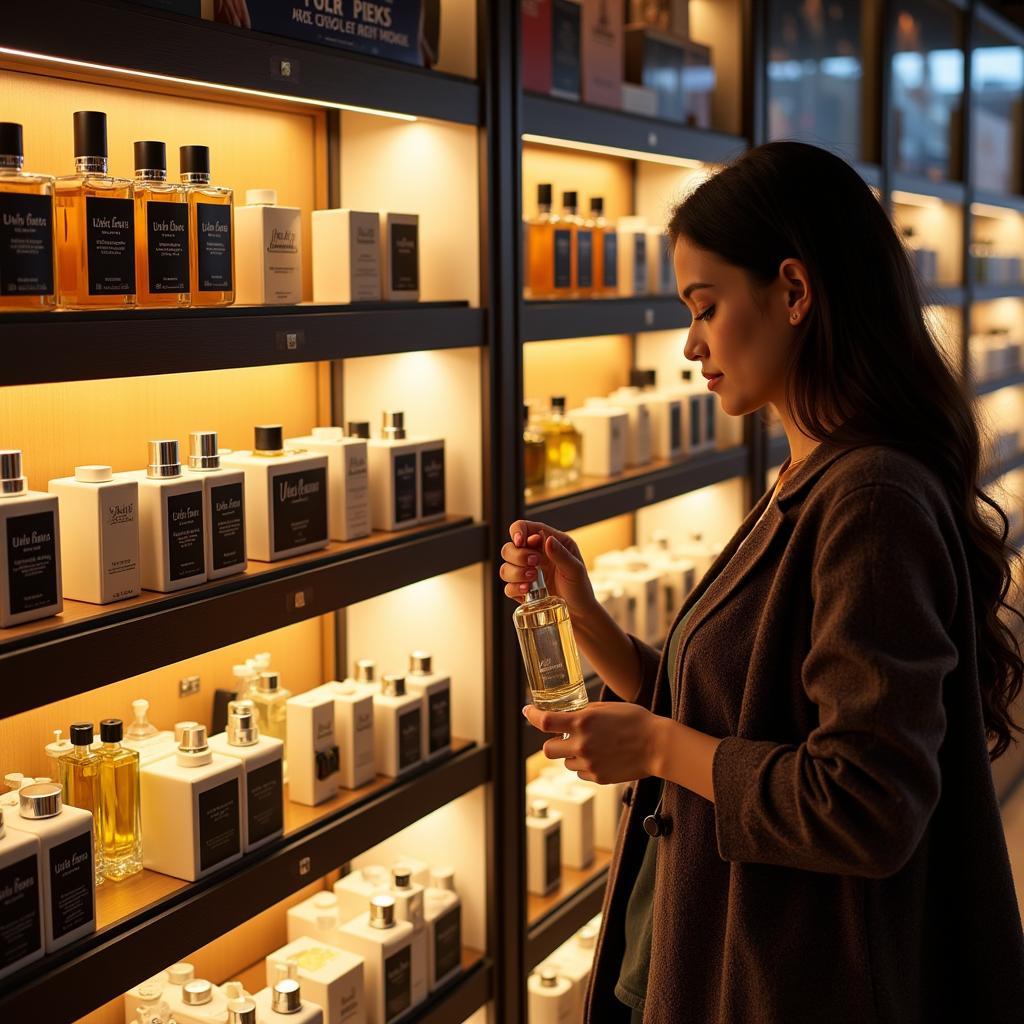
(695, 415)
(219, 831)
(447, 943)
(397, 983)
(439, 720)
(20, 932)
(32, 561)
(404, 468)
(563, 258)
(186, 552)
(71, 884)
(610, 263)
(328, 763)
(675, 425)
(299, 504)
(639, 264)
(432, 481)
(410, 738)
(26, 244)
(110, 245)
(264, 801)
(405, 258)
(227, 525)
(553, 856)
(585, 259)
(167, 246)
(709, 422)
(213, 247)
(565, 48)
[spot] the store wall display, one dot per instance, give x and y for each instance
(994, 353)
(268, 243)
(346, 256)
(997, 90)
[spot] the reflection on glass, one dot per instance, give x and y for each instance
(997, 91)
(927, 89)
(815, 73)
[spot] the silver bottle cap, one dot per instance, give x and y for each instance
(197, 993)
(382, 912)
(241, 1011)
(180, 973)
(420, 662)
(269, 682)
(401, 877)
(539, 809)
(243, 731)
(548, 978)
(442, 877)
(164, 459)
(287, 996)
(393, 686)
(366, 670)
(587, 936)
(11, 479)
(179, 730)
(393, 426)
(193, 739)
(538, 588)
(40, 800)
(202, 450)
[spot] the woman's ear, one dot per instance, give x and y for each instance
(796, 287)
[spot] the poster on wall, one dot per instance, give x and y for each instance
(401, 30)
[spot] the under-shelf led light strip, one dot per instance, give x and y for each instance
(631, 154)
(6, 51)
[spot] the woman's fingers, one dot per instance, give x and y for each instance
(514, 574)
(525, 557)
(528, 533)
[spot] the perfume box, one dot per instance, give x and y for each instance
(638, 99)
(603, 429)
(268, 251)
(632, 254)
(348, 514)
(535, 21)
(565, 48)
(601, 46)
(313, 759)
(346, 256)
(400, 257)
(330, 977)
(657, 59)
(661, 275)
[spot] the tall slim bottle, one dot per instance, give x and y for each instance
(582, 246)
(161, 231)
(211, 231)
(548, 251)
(80, 781)
(119, 790)
(564, 445)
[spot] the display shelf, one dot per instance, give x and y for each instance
(778, 450)
(942, 295)
(161, 921)
(534, 739)
(111, 642)
(985, 292)
(168, 47)
(947, 191)
(1012, 380)
(594, 499)
(48, 347)
(543, 320)
(992, 473)
(1004, 199)
(547, 119)
(556, 917)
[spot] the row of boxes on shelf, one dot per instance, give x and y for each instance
(93, 240)
(994, 353)
(924, 259)
(636, 56)
(557, 987)
(990, 267)
(101, 536)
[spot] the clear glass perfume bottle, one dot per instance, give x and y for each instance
(549, 650)
(564, 445)
(122, 820)
(270, 699)
(161, 230)
(535, 455)
(80, 782)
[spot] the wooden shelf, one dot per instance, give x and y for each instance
(139, 342)
(543, 320)
(106, 643)
(1005, 199)
(161, 920)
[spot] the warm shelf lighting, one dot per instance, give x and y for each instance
(988, 210)
(629, 154)
(6, 51)
(915, 199)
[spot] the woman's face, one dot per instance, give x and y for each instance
(740, 338)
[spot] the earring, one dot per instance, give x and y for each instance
(794, 317)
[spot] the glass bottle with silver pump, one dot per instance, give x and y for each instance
(223, 505)
(271, 698)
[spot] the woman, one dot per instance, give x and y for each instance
(812, 748)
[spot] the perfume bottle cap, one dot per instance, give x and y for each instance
(269, 682)
(241, 1011)
(393, 686)
(543, 195)
(58, 746)
(151, 156)
(164, 459)
(420, 663)
(243, 673)
(558, 403)
(40, 800)
(11, 139)
(81, 733)
(539, 809)
(193, 739)
(358, 428)
(382, 912)
(587, 936)
(643, 378)
(90, 133)
(194, 159)
(93, 474)
(197, 992)
(261, 660)
(401, 876)
(13, 780)
(597, 205)
(287, 997)
(11, 479)
(393, 426)
(327, 433)
(538, 588)
(261, 197)
(442, 877)
(548, 978)
(366, 670)
(569, 200)
(180, 973)
(111, 730)
(242, 728)
(269, 437)
(150, 990)
(347, 688)
(203, 452)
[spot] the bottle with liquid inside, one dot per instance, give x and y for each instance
(549, 251)
(211, 231)
(564, 445)
(535, 455)
(119, 791)
(80, 782)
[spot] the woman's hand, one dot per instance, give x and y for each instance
(536, 546)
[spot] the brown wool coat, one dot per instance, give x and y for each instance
(852, 869)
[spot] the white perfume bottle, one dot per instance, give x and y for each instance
(698, 407)
(641, 581)
(146, 998)
(262, 810)
(543, 848)
(678, 577)
(355, 889)
(314, 918)
(313, 761)
(332, 977)
(638, 437)
(21, 899)
(172, 530)
(348, 514)
(30, 570)
(141, 735)
(282, 1002)
(268, 250)
(666, 415)
(346, 256)
(285, 497)
(353, 730)
(397, 728)
(442, 914)
(384, 943)
(99, 543)
(199, 1002)
(576, 806)
(604, 428)
(607, 802)
(394, 476)
(68, 875)
(436, 691)
(550, 998)
(191, 809)
(408, 897)
(223, 505)
(576, 961)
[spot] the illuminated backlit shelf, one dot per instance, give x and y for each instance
(1005, 200)
(1012, 380)
(543, 320)
(914, 186)
(986, 292)
(943, 295)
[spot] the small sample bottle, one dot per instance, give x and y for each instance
(331, 977)
(314, 918)
(262, 810)
(81, 786)
(223, 505)
(606, 250)
(442, 914)
(271, 700)
(543, 848)
(353, 729)
(550, 998)
(68, 873)
(394, 476)
(397, 728)
(210, 231)
(638, 437)
(119, 791)
(268, 240)
(354, 890)
(283, 1003)
(576, 806)
(313, 761)
(21, 897)
(603, 427)
(161, 231)
(408, 897)
(140, 734)
(436, 692)
(191, 817)
(27, 263)
(99, 542)
(549, 650)
(95, 225)
(583, 247)
(285, 497)
(564, 445)
(535, 456)
(30, 576)
(548, 251)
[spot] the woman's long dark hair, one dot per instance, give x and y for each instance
(864, 356)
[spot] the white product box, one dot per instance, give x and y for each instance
(330, 976)
(348, 513)
(268, 251)
(313, 760)
(604, 429)
(346, 256)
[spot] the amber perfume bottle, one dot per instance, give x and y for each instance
(548, 251)
(95, 225)
(211, 231)
(582, 247)
(119, 792)
(161, 231)
(535, 455)
(80, 781)
(606, 251)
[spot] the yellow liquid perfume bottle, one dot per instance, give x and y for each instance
(161, 231)
(271, 700)
(119, 790)
(210, 230)
(535, 455)
(80, 781)
(564, 445)
(549, 650)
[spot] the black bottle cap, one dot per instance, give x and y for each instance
(544, 195)
(526, 413)
(11, 143)
(111, 730)
(150, 156)
(358, 428)
(269, 438)
(569, 198)
(643, 378)
(194, 159)
(90, 133)
(81, 733)
(687, 374)
(597, 205)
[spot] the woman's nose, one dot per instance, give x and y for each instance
(694, 348)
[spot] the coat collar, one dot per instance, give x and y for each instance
(808, 472)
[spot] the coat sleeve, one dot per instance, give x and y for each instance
(648, 660)
(855, 797)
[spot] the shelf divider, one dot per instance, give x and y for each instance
(544, 320)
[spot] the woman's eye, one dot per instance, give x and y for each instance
(707, 314)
